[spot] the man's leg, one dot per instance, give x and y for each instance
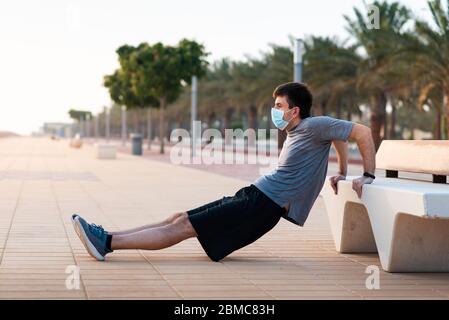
(167, 221)
(156, 238)
(172, 230)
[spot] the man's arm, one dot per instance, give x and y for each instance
(342, 156)
(364, 139)
(341, 147)
(362, 136)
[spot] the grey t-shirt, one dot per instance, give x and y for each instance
(302, 167)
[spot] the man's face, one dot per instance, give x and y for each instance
(291, 115)
(281, 104)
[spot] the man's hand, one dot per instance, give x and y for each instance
(334, 182)
(358, 183)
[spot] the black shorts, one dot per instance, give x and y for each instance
(231, 223)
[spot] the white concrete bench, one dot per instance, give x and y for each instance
(105, 151)
(405, 220)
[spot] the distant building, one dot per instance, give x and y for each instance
(59, 129)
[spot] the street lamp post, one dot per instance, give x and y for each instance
(297, 60)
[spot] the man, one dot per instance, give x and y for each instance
(231, 223)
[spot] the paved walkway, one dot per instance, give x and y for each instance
(42, 182)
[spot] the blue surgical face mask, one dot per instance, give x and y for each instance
(278, 118)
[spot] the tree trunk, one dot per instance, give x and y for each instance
(210, 119)
(438, 119)
(378, 104)
(350, 108)
(339, 109)
(392, 134)
(444, 126)
(168, 129)
(227, 123)
(446, 105)
(252, 123)
(385, 131)
(316, 110)
(136, 120)
(142, 122)
(252, 117)
(149, 128)
(321, 111)
(162, 102)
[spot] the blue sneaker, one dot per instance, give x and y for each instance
(75, 226)
(93, 238)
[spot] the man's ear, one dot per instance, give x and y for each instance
(299, 112)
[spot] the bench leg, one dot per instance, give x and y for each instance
(349, 221)
(357, 234)
(420, 244)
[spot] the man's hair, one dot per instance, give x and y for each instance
(298, 95)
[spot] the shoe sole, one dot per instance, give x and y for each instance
(75, 226)
(86, 242)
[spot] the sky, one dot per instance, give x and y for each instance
(54, 53)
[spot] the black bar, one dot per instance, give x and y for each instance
(439, 179)
(392, 173)
(226, 309)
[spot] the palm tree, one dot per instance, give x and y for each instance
(214, 95)
(433, 97)
(431, 52)
(244, 90)
(278, 69)
(375, 74)
(331, 68)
